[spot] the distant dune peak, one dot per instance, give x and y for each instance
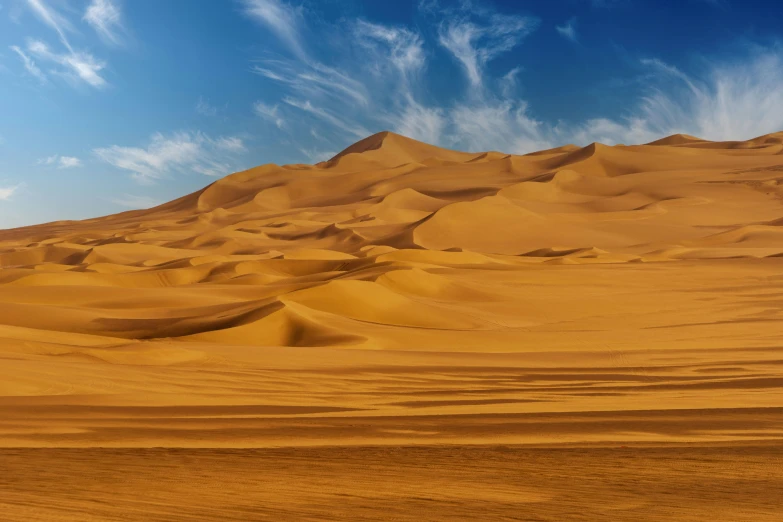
(390, 149)
(372, 142)
(677, 139)
(382, 140)
(396, 245)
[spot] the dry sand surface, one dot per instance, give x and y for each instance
(406, 332)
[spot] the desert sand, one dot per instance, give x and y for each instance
(408, 332)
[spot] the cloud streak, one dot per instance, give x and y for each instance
(355, 129)
(204, 108)
(29, 64)
(269, 113)
(7, 192)
(183, 151)
(314, 79)
(403, 48)
(568, 30)
(69, 162)
(53, 19)
(62, 162)
(474, 43)
(281, 18)
(105, 17)
(735, 100)
(74, 65)
(388, 90)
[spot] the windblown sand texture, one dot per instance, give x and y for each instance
(404, 295)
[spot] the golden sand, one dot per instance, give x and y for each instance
(402, 295)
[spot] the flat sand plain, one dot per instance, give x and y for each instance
(407, 332)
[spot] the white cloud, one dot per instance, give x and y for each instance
(355, 129)
(78, 65)
(105, 17)
(281, 18)
(136, 202)
(405, 47)
(212, 168)
(62, 162)
(740, 99)
(69, 162)
(29, 64)
(53, 19)
(504, 126)
(7, 192)
(735, 100)
(508, 83)
(317, 156)
(51, 160)
(270, 113)
(568, 30)
(203, 107)
(158, 158)
(314, 79)
(380, 84)
(421, 123)
(474, 44)
(231, 143)
(181, 151)
(732, 101)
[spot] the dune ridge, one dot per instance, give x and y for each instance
(413, 293)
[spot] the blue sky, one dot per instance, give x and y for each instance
(108, 105)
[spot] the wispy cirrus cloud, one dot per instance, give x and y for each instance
(53, 19)
(62, 162)
(353, 128)
(230, 143)
(736, 99)
(105, 17)
(179, 152)
(29, 64)
(383, 85)
(270, 113)
(568, 30)
(7, 191)
(401, 47)
(313, 79)
(427, 124)
(69, 162)
(476, 37)
(283, 19)
(316, 155)
(51, 160)
(385, 91)
(76, 66)
(204, 108)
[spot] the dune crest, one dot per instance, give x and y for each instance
(404, 293)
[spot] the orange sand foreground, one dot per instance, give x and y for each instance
(496, 325)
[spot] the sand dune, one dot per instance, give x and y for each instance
(404, 294)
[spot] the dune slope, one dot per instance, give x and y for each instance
(404, 294)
